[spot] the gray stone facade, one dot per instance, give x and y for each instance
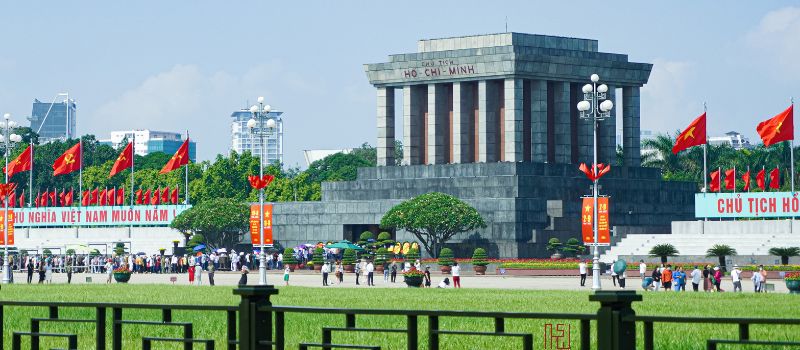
(492, 119)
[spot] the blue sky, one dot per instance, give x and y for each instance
(173, 65)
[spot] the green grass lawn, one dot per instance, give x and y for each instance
(307, 327)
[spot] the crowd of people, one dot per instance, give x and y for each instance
(365, 270)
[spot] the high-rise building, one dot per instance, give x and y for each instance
(732, 138)
(149, 141)
(54, 121)
(242, 139)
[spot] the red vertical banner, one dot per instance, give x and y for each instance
(603, 230)
(255, 236)
(10, 227)
(587, 212)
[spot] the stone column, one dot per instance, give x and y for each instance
(630, 126)
(438, 126)
(487, 122)
(385, 126)
(412, 125)
(462, 122)
(607, 133)
(562, 136)
(539, 121)
(513, 120)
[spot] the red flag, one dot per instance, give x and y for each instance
(715, 181)
(778, 128)
(165, 196)
(156, 199)
(53, 199)
(584, 169)
(121, 196)
(124, 160)
(761, 179)
(111, 194)
(102, 197)
(775, 178)
(70, 197)
(22, 199)
(746, 179)
(86, 198)
(61, 200)
(69, 161)
(44, 198)
(12, 199)
(180, 158)
(175, 196)
(95, 193)
(730, 179)
(146, 197)
(36, 200)
(602, 170)
(139, 196)
(21, 163)
(694, 135)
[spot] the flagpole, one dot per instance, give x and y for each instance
(734, 179)
(791, 151)
(186, 174)
(30, 179)
(705, 144)
(80, 169)
(133, 161)
(748, 179)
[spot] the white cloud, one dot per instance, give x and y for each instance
(663, 97)
(775, 39)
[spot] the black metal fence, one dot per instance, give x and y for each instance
(257, 324)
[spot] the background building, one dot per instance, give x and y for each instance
(149, 141)
(243, 140)
(54, 120)
(731, 138)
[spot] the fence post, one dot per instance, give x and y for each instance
(254, 325)
(614, 328)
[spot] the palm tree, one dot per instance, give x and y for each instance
(785, 253)
(663, 250)
(721, 251)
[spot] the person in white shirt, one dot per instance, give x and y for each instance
(697, 276)
(280, 260)
(109, 270)
(444, 283)
(736, 275)
(370, 274)
(455, 271)
(642, 269)
(756, 278)
(326, 269)
(582, 271)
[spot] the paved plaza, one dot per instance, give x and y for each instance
(308, 279)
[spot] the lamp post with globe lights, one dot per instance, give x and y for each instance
(261, 125)
(595, 108)
(7, 140)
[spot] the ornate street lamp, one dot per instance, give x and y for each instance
(265, 125)
(7, 140)
(595, 108)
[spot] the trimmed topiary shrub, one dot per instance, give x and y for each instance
(413, 255)
(380, 256)
(446, 257)
(319, 256)
(479, 257)
(288, 257)
(384, 236)
(349, 257)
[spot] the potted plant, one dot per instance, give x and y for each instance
(175, 243)
(318, 258)
(446, 260)
(479, 261)
(385, 238)
(349, 260)
(663, 251)
(792, 280)
(721, 251)
(380, 259)
(413, 277)
(785, 253)
(554, 245)
(122, 274)
(289, 259)
(574, 247)
(162, 251)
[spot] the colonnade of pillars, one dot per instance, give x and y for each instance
(502, 120)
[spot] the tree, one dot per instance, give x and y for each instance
(554, 245)
(479, 257)
(785, 253)
(574, 247)
(663, 251)
(433, 218)
(222, 221)
(446, 257)
(119, 249)
(721, 251)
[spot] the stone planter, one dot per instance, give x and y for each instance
(413, 281)
(292, 267)
(379, 268)
(445, 269)
(317, 267)
(122, 277)
(793, 286)
(349, 268)
(479, 270)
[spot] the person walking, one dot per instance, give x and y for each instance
(642, 269)
(358, 272)
(49, 270)
(621, 278)
(326, 269)
(763, 281)
(707, 278)
(339, 272)
(68, 270)
(717, 278)
(697, 276)
(656, 275)
(109, 270)
(370, 274)
(191, 272)
(29, 266)
(385, 271)
(286, 275)
(394, 272)
(582, 271)
(198, 270)
(679, 276)
(211, 269)
(666, 277)
(736, 276)
(427, 277)
(455, 271)
(756, 278)
(243, 278)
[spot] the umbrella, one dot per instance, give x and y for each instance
(222, 250)
(199, 247)
(344, 244)
(141, 253)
